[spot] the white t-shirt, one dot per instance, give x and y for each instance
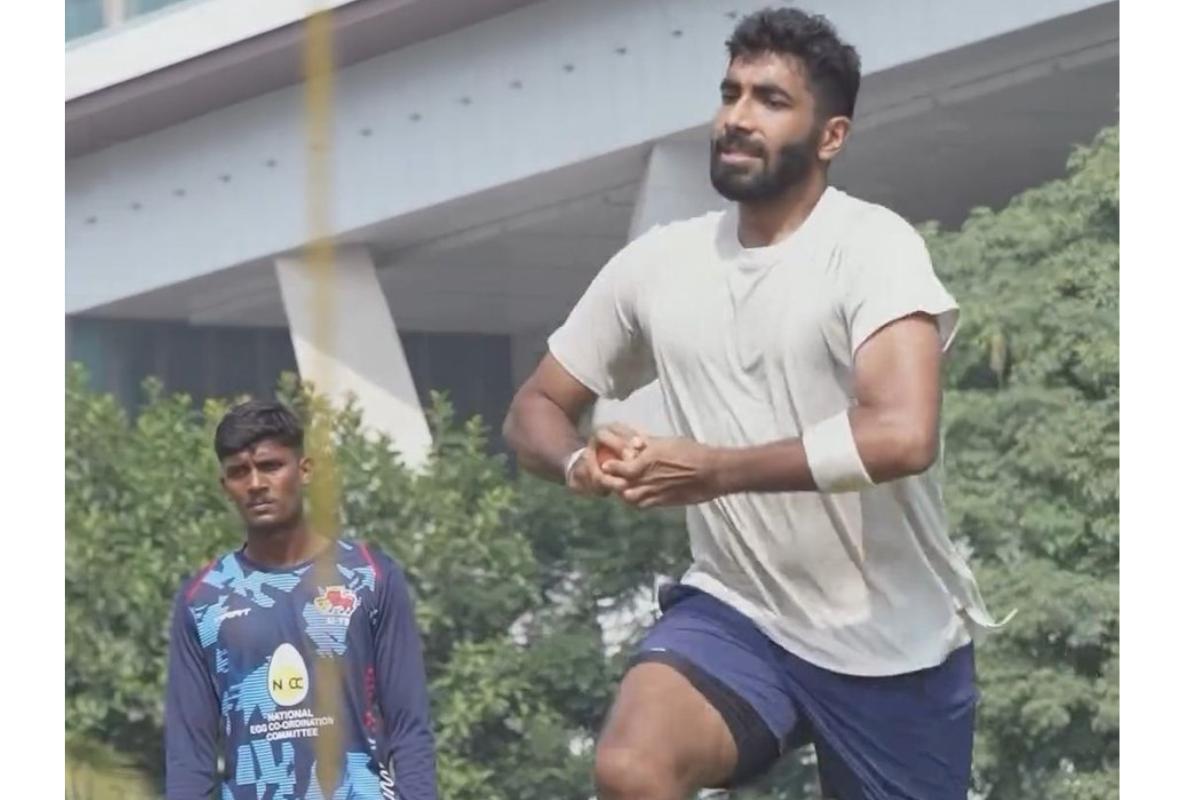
(750, 346)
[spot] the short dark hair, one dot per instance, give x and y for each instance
(833, 67)
(249, 423)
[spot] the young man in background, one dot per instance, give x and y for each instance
(249, 634)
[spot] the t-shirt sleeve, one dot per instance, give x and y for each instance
(602, 342)
(888, 275)
(408, 743)
(192, 713)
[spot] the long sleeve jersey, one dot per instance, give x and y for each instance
(246, 642)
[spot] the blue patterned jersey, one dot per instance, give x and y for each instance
(246, 641)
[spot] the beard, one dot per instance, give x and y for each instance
(749, 183)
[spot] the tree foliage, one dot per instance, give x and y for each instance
(511, 575)
(1031, 424)
(510, 578)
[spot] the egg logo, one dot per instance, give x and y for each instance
(287, 678)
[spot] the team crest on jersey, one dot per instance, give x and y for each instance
(336, 601)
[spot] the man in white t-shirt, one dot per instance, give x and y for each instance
(797, 340)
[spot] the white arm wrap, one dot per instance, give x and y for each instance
(833, 456)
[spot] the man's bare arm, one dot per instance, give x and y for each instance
(542, 427)
(542, 422)
(894, 425)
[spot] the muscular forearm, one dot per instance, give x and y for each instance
(775, 467)
(890, 446)
(541, 434)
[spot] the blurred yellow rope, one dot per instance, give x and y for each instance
(319, 258)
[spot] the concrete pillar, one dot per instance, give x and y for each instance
(363, 356)
(676, 186)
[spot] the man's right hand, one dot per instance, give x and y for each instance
(586, 477)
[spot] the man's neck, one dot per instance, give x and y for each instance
(285, 546)
(768, 223)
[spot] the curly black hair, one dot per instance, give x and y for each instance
(832, 66)
(249, 423)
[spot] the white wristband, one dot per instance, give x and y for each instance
(570, 463)
(833, 456)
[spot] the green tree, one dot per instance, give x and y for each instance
(510, 577)
(1031, 419)
(143, 509)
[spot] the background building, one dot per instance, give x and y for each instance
(490, 156)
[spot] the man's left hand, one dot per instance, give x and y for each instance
(668, 472)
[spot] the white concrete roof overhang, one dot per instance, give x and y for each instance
(103, 114)
(933, 139)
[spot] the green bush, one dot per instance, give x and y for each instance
(511, 574)
(513, 714)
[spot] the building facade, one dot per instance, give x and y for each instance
(488, 157)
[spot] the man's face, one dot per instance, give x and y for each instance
(266, 482)
(767, 133)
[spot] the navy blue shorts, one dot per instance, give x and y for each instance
(876, 738)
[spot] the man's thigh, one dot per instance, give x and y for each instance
(659, 721)
(717, 681)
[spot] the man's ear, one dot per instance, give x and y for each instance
(834, 135)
